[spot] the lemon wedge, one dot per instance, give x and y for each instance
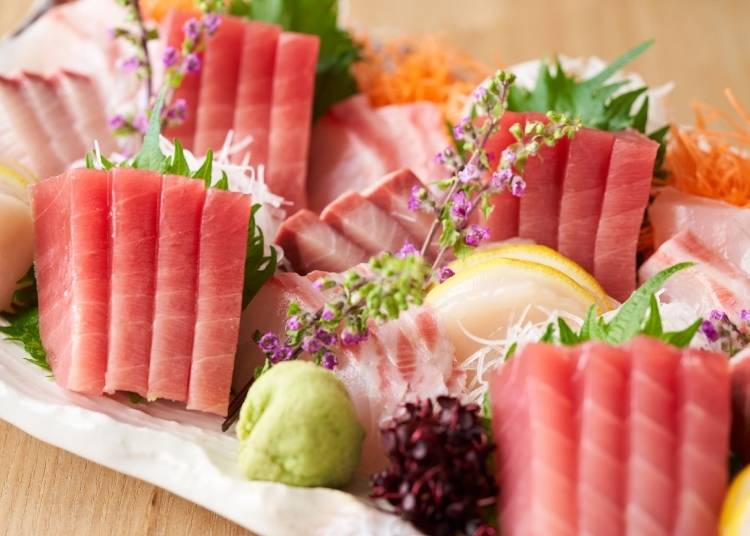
(487, 295)
(15, 179)
(735, 514)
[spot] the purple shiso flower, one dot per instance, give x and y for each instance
(709, 330)
(312, 345)
(476, 235)
(415, 202)
(458, 128)
(211, 23)
(469, 173)
(130, 64)
(328, 315)
(170, 56)
(461, 205)
(518, 186)
(501, 179)
(350, 338)
(293, 323)
(116, 121)
(439, 158)
(192, 29)
(283, 353)
(329, 361)
(178, 110)
(480, 93)
(406, 250)
(509, 155)
(192, 63)
(745, 315)
(269, 342)
(326, 337)
(445, 273)
(140, 122)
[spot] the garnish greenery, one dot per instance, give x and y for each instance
(592, 100)
(23, 328)
(639, 315)
(333, 81)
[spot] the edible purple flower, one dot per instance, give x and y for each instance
(480, 93)
(329, 361)
(328, 315)
(406, 250)
(192, 29)
(469, 173)
(518, 186)
(140, 123)
(415, 198)
(293, 323)
(509, 155)
(284, 353)
(709, 330)
(130, 64)
(716, 314)
(439, 158)
(458, 128)
(170, 56)
(178, 111)
(326, 337)
(445, 273)
(312, 345)
(461, 205)
(476, 235)
(192, 63)
(211, 23)
(116, 121)
(350, 338)
(269, 342)
(745, 315)
(501, 178)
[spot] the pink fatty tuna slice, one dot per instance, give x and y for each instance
(190, 88)
(582, 194)
(180, 212)
(539, 217)
(311, 244)
(221, 269)
(252, 114)
(134, 233)
(291, 116)
(725, 227)
(365, 224)
(72, 265)
(713, 283)
(740, 372)
(625, 200)
(220, 75)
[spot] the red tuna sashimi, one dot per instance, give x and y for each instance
(703, 438)
(88, 110)
(176, 281)
(221, 269)
(291, 116)
(740, 372)
(311, 244)
(219, 79)
(582, 195)
(652, 475)
(51, 208)
(190, 88)
(625, 199)
(135, 225)
(539, 216)
(533, 426)
(252, 114)
(600, 385)
(365, 224)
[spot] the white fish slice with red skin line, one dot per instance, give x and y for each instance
(221, 269)
(625, 199)
(365, 224)
(713, 283)
(311, 244)
(291, 116)
(88, 109)
(427, 120)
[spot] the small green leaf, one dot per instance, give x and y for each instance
(135, 398)
(682, 338)
(567, 336)
(549, 334)
(512, 350)
(653, 326)
(179, 165)
(259, 267)
(206, 170)
(23, 328)
(223, 182)
(150, 156)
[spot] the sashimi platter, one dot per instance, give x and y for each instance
(321, 283)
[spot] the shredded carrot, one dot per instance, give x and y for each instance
(156, 10)
(711, 162)
(418, 68)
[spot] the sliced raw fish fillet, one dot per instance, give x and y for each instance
(714, 283)
(365, 224)
(291, 116)
(190, 88)
(539, 216)
(16, 245)
(311, 244)
(180, 211)
(20, 114)
(725, 227)
(625, 200)
(221, 269)
(220, 75)
(88, 109)
(252, 113)
(51, 210)
(703, 437)
(740, 373)
(134, 234)
(582, 194)
(46, 99)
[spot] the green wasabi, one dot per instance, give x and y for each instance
(298, 427)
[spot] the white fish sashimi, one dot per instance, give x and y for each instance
(16, 245)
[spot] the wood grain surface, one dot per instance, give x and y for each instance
(702, 45)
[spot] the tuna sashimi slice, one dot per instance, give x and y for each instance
(176, 281)
(291, 116)
(221, 269)
(311, 244)
(190, 88)
(51, 212)
(740, 373)
(582, 194)
(703, 438)
(365, 224)
(725, 227)
(539, 216)
(135, 226)
(625, 200)
(252, 114)
(219, 79)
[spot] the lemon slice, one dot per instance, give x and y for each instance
(16, 245)
(484, 298)
(542, 255)
(15, 179)
(735, 513)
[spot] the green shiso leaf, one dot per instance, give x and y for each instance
(682, 338)
(259, 267)
(150, 155)
(592, 100)
(567, 335)
(653, 326)
(223, 182)
(333, 81)
(178, 165)
(23, 328)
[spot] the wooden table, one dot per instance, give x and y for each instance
(702, 45)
